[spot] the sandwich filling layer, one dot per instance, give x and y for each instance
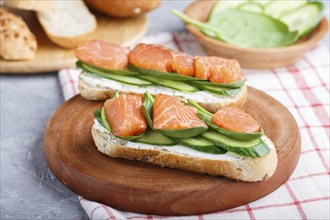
(175, 149)
(199, 96)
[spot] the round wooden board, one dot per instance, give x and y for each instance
(144, 188)
(50, 57)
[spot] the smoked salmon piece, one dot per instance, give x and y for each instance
(182, 63)
(125, 115)
(235, 119)
(103, 54)
(151, 56)
(170, 113)
(218, 70)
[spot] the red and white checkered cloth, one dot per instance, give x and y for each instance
(304, 89)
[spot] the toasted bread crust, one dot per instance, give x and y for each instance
(97, 93)
(237, 168)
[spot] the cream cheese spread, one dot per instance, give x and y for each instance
(199, 96)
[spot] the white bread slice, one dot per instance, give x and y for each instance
(70, 23)
(230, 165)
(33, 5)
(95, 88)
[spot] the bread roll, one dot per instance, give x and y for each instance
(17, 41)
(123, 8)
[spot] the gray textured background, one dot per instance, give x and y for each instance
(28, 188)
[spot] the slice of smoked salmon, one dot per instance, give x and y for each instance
(171, 114)
(103, 54)
(159, 58)
(201, 68)
(182, 63)
(218, 70)
(235, 119)
(125, 115)
(151, 56)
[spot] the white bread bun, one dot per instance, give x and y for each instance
(230, 165)
(70, 23)
(17, 41)
(33, 5)
(95, 88)
(123, 8)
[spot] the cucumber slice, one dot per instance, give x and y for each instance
(147, 105)
(305, 18)
(234, 85)
(177, 85)
(200, 144)
(96, 69)
(155, 138)
(123, 79)
(163, 75)
(277, 9)
(219, 90)
(183, 133)
(252, 148)
(97, 116)
(104, 120)
(195, 141)
(215, 137)
(251, 7)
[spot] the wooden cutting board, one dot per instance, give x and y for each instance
(143, 188)
(50, 57)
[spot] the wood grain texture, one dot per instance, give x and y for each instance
(256, 58)
(51, 57)
(138, 187)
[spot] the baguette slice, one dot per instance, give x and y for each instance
(70, 23)
(94, 88)
(33, 5)
(229, 165)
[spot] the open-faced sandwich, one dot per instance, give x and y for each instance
(165, 131)
(212, 82)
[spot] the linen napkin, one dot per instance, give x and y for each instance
(304, 89)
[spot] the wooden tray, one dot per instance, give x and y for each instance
(50, 57)
(143, 188)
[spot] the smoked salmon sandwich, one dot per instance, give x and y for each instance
(166, 131)
(212, 82)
